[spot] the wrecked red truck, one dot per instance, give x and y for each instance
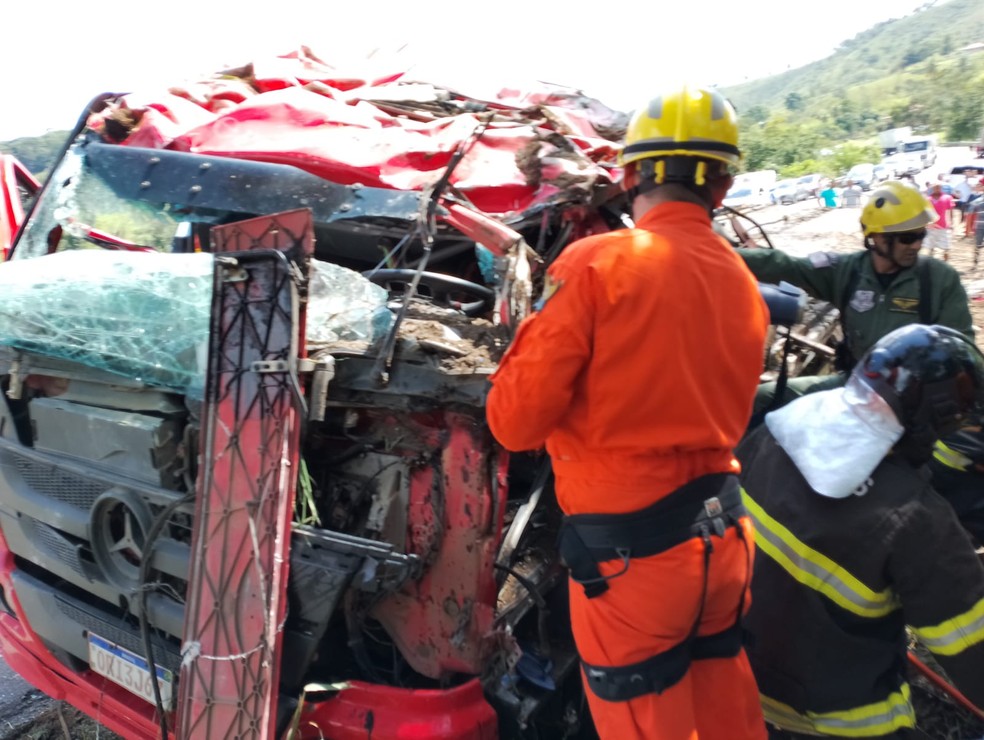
(242, 439)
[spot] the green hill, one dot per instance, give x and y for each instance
(883, 51)
(922, 71)
(38, 153)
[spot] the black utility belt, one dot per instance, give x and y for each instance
(703, 507)
(658, 673)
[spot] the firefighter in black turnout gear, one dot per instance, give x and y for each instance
(958, 474)
(854, 544)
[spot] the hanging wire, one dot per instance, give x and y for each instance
(425, 228)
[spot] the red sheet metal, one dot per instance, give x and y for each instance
(298, 110)
(14, 180)
(441, 623)
(29, 657)
(386, 713)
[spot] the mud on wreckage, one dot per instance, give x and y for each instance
(245, 335)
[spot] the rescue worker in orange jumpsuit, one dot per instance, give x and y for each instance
(638, 371)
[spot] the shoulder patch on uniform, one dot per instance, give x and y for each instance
(823, 259)
(862, 300)
(550, 287)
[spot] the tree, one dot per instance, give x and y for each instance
(755, 114)
(794, 101)
(846, 156)
(915, 55)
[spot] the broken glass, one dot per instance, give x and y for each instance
(141, 315)
(344, 305)
(146, 315)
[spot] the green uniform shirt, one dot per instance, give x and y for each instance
(871, 311)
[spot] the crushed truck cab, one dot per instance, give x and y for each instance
(246, 483)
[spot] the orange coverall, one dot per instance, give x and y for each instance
(638, 372)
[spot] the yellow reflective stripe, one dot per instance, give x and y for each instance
(879, 718)
(954, 635)
(786, 717)
(951, 458)
(815, 570)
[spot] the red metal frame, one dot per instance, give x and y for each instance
(14, 177)
(237, 588)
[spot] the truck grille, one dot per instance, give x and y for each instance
(59, 484)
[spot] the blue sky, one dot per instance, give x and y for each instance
(618, 52)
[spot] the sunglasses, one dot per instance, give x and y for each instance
(910, 237)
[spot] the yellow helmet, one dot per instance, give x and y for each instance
(689, 122)
(895, 207)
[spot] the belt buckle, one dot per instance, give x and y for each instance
(712, 507)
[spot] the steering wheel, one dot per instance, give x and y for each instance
(444, 290)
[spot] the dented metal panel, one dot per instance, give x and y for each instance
(443, 621)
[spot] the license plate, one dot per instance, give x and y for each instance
(129, 670)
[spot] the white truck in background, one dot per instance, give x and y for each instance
(761, 181)
(890, 141)
(921, 149)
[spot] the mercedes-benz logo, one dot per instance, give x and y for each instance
(118, 524)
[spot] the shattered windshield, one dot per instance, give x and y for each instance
(125, 283)
(127, 198)
(85, 209)
(81, 208)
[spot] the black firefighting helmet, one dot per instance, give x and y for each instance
(932, 377)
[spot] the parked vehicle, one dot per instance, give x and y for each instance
(746, 196)
(862, 175)
(758, 180)
(969, 169)
(899, 165)
(880, 173)
(203, 315)
(789, 191)
(813, 183)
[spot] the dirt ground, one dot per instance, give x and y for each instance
(61, 721)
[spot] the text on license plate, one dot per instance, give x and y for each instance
(127, 669)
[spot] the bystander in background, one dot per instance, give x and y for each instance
(851, 195)
(938, 234)
(827, 195)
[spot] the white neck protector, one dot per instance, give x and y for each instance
(837, 438)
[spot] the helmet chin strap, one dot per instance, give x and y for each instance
(889, 254)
